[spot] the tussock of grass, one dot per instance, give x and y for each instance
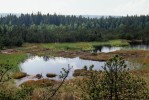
(38, 83)
(19, 75)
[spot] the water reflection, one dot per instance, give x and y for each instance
(37, 65)
(45, 58)
(141, 47)
(107, 49)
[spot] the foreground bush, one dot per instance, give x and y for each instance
(4, 72)
(113, 83)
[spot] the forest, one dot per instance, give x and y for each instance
(44, 28)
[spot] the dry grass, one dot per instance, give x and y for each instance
(19, 75)
(39, 83)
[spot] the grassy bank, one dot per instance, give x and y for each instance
(83, 45)
(59, 49)
(12, 59)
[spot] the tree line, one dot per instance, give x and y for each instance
(40, 28)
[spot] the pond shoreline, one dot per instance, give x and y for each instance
(135, 56)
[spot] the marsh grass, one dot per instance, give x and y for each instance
(69, 46)
(12, 59)
(83, 45)
(39, 83)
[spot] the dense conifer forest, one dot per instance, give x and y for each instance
(41, 28)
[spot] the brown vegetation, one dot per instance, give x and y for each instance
(19, 75)
(79, 72)
(39, 83)
(8, 51)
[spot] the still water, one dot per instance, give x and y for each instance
(37, 65)
(43, 65)
(107, 49)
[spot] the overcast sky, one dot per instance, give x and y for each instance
(76, 7)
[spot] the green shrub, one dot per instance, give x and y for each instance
(113, 83)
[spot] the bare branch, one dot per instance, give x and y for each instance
(64, 76)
